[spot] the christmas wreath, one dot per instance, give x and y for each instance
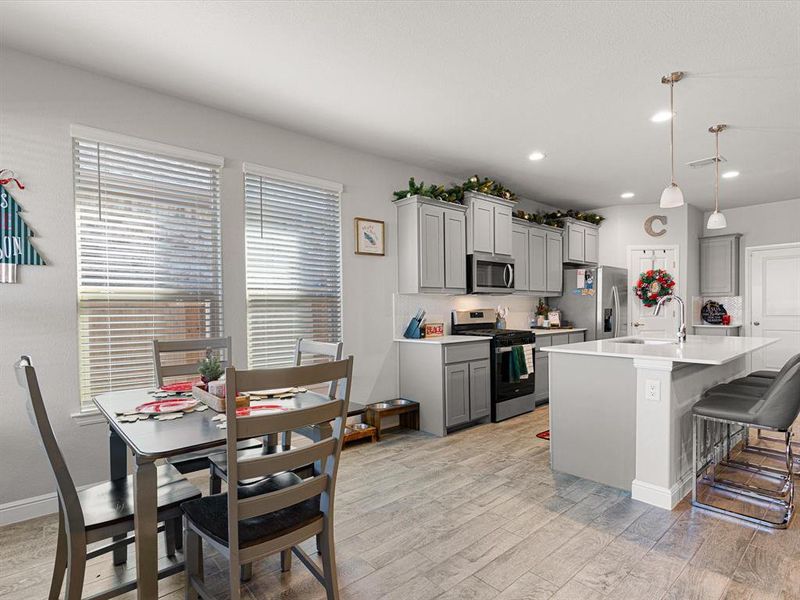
(652, 285)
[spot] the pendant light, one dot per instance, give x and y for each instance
(717, 219)
(672, 196)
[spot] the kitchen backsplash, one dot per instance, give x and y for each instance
(732, 304)
(438, 307)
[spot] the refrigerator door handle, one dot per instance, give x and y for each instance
(615, 295)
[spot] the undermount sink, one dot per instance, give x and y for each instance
(646, 341)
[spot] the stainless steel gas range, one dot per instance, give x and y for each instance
(511, 395)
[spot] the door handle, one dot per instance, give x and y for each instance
(756, 323)
(637, 324)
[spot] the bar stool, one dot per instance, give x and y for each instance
(775, 409)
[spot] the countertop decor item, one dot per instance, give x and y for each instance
(434, 330)
(672, 196)
(652, 285)
(370, 236)
(15, 246)
(713, 313)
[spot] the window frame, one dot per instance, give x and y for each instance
(87, 413)
(253, 170)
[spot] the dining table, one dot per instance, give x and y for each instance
(148, 441)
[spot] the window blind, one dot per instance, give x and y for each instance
(149, 259)
(294, 282)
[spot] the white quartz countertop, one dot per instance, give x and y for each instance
(557, 331)
(720, 326)
(446, 339)
(698, 349)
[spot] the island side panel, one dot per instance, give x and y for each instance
(593, 417)
(666, 392)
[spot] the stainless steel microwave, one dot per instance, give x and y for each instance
(490, 274)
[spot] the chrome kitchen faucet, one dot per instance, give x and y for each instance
(682, 325)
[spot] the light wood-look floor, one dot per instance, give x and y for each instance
(480, 515)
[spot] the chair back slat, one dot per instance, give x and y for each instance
(160, 347)
(332, 350)
(274, 501)
(259, 466)
(260, 425)
(177, 370)
(69, 503)
(264, 379)
(324, 454)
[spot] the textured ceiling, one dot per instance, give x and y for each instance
(469, 87)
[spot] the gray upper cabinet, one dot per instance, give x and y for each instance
(520, 251)
(488, 224)
(431, 246)
(581, 242)
(480, 389)
(538, 265)
(455, 249)
(719, 265)
(555, 264)
(456, 394)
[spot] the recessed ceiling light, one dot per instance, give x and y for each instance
(661, 116)
(536, 155)
(730, 174)
(627, 195)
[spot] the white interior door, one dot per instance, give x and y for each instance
(774, 294)
(641, 320)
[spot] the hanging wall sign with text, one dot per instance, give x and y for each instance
(15, 245)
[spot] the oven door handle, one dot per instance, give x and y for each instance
(503, 349)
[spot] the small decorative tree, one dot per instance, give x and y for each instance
(210, 368)
(15, 246)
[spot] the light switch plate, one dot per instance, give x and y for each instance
(652, 390)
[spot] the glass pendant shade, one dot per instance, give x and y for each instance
(716, 221)
(671, 197)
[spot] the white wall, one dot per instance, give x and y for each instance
(38, 102)
(624, 226)
(760, 225)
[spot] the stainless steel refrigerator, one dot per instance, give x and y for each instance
(595, 298)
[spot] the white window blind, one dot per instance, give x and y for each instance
(294, 282)
(149, 259)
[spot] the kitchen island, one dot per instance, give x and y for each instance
(620, 409)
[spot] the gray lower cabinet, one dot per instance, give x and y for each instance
(452, 382)
(538, 264)
(456, 394)
(541, 360)
(719, 265)
(480, 389)
(431, 246)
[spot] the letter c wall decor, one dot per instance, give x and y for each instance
(648, 225)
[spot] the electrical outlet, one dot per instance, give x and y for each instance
(652, 390)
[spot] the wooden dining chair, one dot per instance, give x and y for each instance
(282, 510)
(314, 350)
(191, 352)
(100, 512)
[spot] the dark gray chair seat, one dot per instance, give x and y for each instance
(738, 409)
(760, 382)
(764, 374)
(111, 502)
(736, 389)
(210, 514)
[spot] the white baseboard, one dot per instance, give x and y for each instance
(660, 496)
(28, 508)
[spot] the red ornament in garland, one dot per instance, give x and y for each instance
(652, 285)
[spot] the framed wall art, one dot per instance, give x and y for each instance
(370, 238)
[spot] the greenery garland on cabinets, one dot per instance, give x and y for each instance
(456, 192)
(492, 188)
